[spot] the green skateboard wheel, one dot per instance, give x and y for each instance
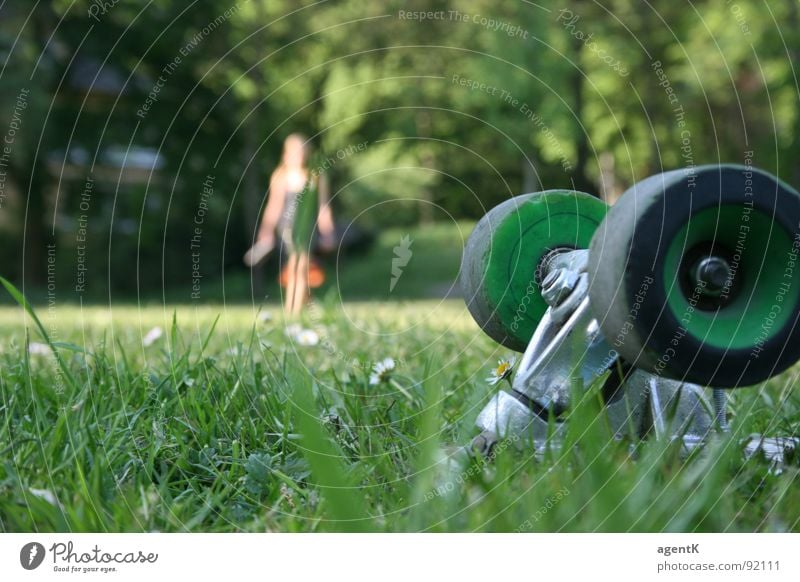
(694, 275)
(504, 255)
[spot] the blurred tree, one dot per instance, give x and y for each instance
(422, 111)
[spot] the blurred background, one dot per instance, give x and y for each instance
(138, 137)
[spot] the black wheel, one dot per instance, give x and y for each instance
(694, 275)
(504, 255)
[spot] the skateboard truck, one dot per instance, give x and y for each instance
(568, 347)
(652, 297)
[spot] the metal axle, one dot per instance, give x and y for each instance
(568, 348)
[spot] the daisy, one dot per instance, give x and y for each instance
(293, 329)
(381, 371)
(45, 494)
(307, 337)
(37, 349)
(502, 371)
(152, 336)
(304, 337)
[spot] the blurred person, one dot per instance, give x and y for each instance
(298, 200)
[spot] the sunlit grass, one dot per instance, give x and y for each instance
(224, 423)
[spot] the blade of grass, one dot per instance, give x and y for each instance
(425, 467)
(346, 504)
(23, 302)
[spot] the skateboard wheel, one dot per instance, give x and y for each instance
(503, 258)
(694, 275)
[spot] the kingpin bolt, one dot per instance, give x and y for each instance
(557, 285)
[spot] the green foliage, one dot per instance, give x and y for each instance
(234, 427)
(553, 97)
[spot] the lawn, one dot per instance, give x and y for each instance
(216, 417)
(358, 274)
(226, 423)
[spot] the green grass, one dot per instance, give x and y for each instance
(224, 424)
(431, 270)
(353, 275)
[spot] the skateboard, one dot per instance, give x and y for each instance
(690, 280)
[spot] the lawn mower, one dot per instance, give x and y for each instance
(691, 279)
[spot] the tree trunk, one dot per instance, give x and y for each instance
(530, 179)
(35, 236)
(580, 179)
(422, 120)
(794, 55)
(253, 188)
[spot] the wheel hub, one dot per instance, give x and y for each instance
(713, 275)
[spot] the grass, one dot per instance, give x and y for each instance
(225, 424)
(354, 275)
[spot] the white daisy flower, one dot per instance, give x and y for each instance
(502, 371)
(38, 349)
(292, 330)
(152, 336)
(381, 371)
(265, 317)
(304, 337)
(45, 494)
(307, 337)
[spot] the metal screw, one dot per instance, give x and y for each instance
(714, 272)
(557, 285)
